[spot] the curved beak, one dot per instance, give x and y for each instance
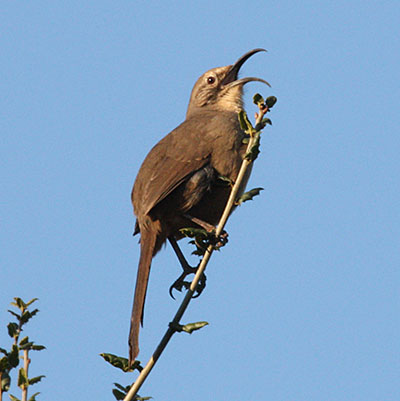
(231, 78)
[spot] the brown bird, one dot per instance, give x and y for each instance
(177, 184)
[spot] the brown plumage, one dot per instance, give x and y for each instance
(178, 177)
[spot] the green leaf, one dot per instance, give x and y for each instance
(24, 341)
(12, 398)
(120, 362)
(37, 347)
(195, 232)
(3, 351)
(30, 303)
(121, 387)
(4, 364)
(143, 398)
(36, 379)
(22, 379)
(257, 99)
(270, 101)
(26, 316)
(19, 303)
(13, 329)
(13, 356)
(26, 346)
(118, 394)
(15, 314)
(33, 398)
(244, 121)
(191, 327)
(255, 149)
(5, 381)
(249, 195)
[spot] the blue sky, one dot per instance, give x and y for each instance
(303, 303)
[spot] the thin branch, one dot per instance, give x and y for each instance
(204, 261)
(26, 367)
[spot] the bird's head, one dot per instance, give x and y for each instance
(220, 88)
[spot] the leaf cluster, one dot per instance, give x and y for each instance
(19, 350)
(201, 239)
(122, 363)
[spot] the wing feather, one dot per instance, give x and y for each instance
(170, 163)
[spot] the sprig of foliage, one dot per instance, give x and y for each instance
(249, 195)
(19, 351)
(122, 363)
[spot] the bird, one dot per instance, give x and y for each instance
(178, 184)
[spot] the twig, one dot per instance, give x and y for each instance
(204, 261)
(26, 367)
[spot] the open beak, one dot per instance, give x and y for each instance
(231, 78)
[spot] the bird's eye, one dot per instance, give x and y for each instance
(210, 80)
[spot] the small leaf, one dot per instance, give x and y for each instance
(15, 314)
(30, 303)
(195, 232)
(254, 151)
(12, 398)
(249, 195)
(37, 347)
(26, 316)
(257, 99)
(121, 363)
(118, 394)
(26, 346)
(191, 327)
(12, 329)
(13, 356)
(121, 387)
(22, 379)
(4, 364)
(24, 341)
(270, 101)
(36, 379)
(5, 381)
(143, 398)
(33, 398)
(244, 121)
(19, 303)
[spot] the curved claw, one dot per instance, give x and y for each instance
(221, 240)
(179, 283)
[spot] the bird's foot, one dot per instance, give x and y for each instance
(180, 283)
(202, 242)
(220, 240)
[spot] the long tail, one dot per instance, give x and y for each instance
(148, 239)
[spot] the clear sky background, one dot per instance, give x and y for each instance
(303, 303)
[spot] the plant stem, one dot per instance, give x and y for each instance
(26, 367)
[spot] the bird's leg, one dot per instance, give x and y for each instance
(220, 241)
(187, 269)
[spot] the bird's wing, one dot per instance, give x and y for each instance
(175, 158)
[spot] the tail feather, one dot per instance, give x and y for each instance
(147, 246)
